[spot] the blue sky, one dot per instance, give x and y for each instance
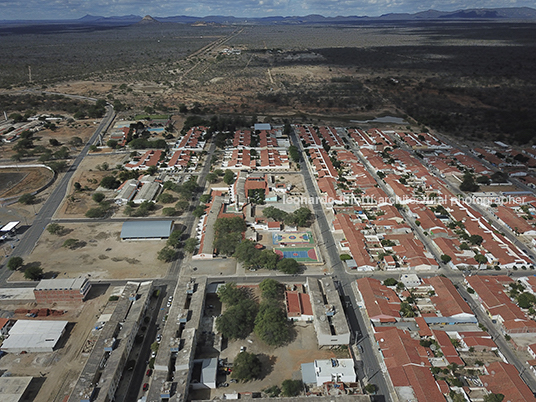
(68, 9)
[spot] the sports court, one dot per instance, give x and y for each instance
(297, 245)
(283, 238)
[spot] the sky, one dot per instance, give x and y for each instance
(73, 9)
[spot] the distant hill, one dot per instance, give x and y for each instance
(498, 14)
(148, 20)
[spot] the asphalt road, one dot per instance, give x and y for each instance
(44, 216)
(355, 320)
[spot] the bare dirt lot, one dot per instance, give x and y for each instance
(279, 364)
(101, 254)
(18, 181)
(57, 372)
(88, 175)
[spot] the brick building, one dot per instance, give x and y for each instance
(62, 290)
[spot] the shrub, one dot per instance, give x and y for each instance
(27, 199)
(98, 197)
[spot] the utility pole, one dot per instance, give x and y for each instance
(30, 74)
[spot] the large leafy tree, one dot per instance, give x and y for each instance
(238, 321)
(230, 294)
(271, 324)
(246, 367)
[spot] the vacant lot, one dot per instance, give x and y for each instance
(100, 254)
(279, 364)
(89, 176)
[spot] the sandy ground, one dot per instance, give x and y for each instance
(57, 372)
(103, 254)
(88, 175)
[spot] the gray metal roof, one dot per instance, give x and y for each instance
(146, 229)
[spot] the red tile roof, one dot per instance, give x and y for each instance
(504, 379)
(381, 302)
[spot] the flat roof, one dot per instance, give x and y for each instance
(61, 284)
(34, 334)
(263, 126)
(13, 388)
(146, 229)
(10, 226)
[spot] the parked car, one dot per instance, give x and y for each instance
(148, 372)
(145, 386)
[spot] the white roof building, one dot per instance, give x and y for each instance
(34, 336)
(334, 370)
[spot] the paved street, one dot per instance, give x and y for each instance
(44, 216)
(355, 318)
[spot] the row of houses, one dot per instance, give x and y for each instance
(414, 357)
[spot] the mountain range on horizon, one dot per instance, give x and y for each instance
(514, 13)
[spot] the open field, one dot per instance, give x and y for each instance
(102, 254)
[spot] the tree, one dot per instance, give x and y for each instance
(345, 257)
(182, 206)
(390, 282)
(475, 239)
(291, 388)
(302, 216)
(246, 252)
(112, 144)
(494, 398)
(480, 259)
(166, 198)
(27, 199)
(204, 198)
(288, 266)
(15, 263)
(446, 258)
(246, 367)
(190, 245)
(167, 254)
(526, 300)
(468, 183)
(33, 272)
(271, 289)
(170, 212)
(212, 178)
(230, 294)
(174, 239)
(371, 388)
(110, 182)
(199, 211)
(295, 155)
(54, 142)
(55, 229)
(98, 197)
(271, 324)
(77, 186)
(228, 177)
(238, 321)
(266, 259)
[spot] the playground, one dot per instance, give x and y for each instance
(297, 245)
